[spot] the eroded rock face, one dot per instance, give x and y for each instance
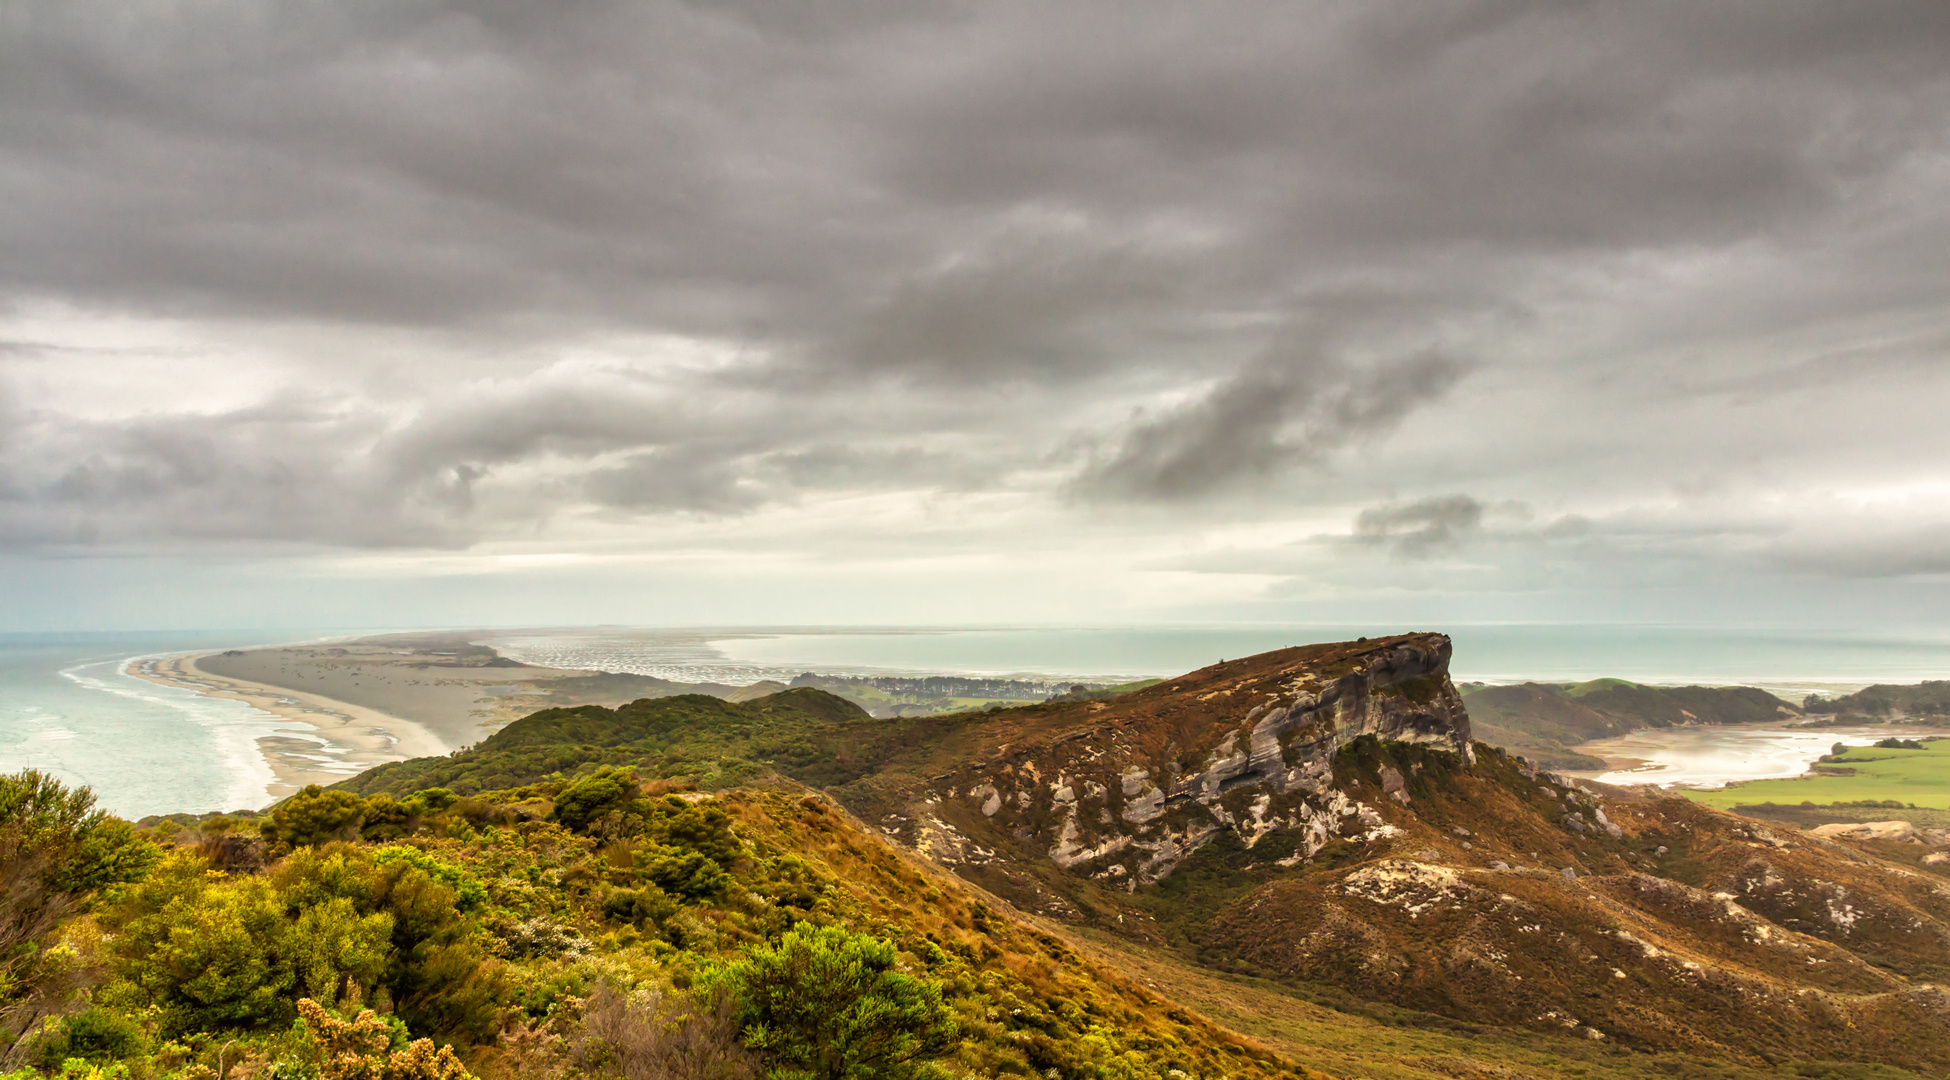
(1479, 888)
(1246, 748)
(1868, 830)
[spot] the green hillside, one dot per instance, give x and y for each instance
(1545, 721)
(1924, 700)
(724, 937)
(713, 740)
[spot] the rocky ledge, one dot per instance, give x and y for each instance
(1130, 787)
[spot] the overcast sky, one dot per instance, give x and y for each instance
(400, 312)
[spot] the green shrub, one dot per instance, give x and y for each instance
(684, 873)
(213, 954)
(469, 894)
(216, 953)
(649, 904)
(56, 852)
(95, 1035)
(429, 801)
(701, 827)
(826, 1004)
(385, 818)
(315, 816)
(590, 799)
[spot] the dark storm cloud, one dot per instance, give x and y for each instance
(1043, 314)
(1419, 527)
(950, 246)
(699, 165)
(1379, 125)
(1292, 405)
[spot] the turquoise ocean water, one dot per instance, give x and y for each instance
(66, 706)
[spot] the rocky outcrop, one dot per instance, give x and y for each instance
(1893, 831)
(1319, 814)
(1246, 747)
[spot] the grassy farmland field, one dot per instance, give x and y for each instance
(1918, 777)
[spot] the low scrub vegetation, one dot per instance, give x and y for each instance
(599, 926)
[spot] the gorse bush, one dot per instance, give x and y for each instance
(588, 801)
(468, 892)
(211, 951)
(316, 816)
(827, 1004)
(94, 1035)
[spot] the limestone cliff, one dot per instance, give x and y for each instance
(1128, 788)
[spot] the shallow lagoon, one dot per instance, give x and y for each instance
(1716, 756)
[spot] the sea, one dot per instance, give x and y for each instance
(67, 706)
(1781, 660)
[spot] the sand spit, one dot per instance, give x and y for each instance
(451, 688)
(338, 739)
(373, 700)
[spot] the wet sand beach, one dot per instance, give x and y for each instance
(369, 701)
(334, 740)
(451, 688)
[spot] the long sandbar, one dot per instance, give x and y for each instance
(371, 700)
(338, 739)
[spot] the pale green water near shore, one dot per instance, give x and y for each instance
(67, 707)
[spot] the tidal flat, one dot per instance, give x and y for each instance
(1716, 756)
(1863, 774)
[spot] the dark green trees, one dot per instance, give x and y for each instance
(683, 849)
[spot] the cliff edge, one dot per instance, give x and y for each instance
(1124, 790)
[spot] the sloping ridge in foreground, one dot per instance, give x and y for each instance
(1320, 815)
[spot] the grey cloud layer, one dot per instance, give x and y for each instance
(1238, 260)
(661, 163)
(1289, 406)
